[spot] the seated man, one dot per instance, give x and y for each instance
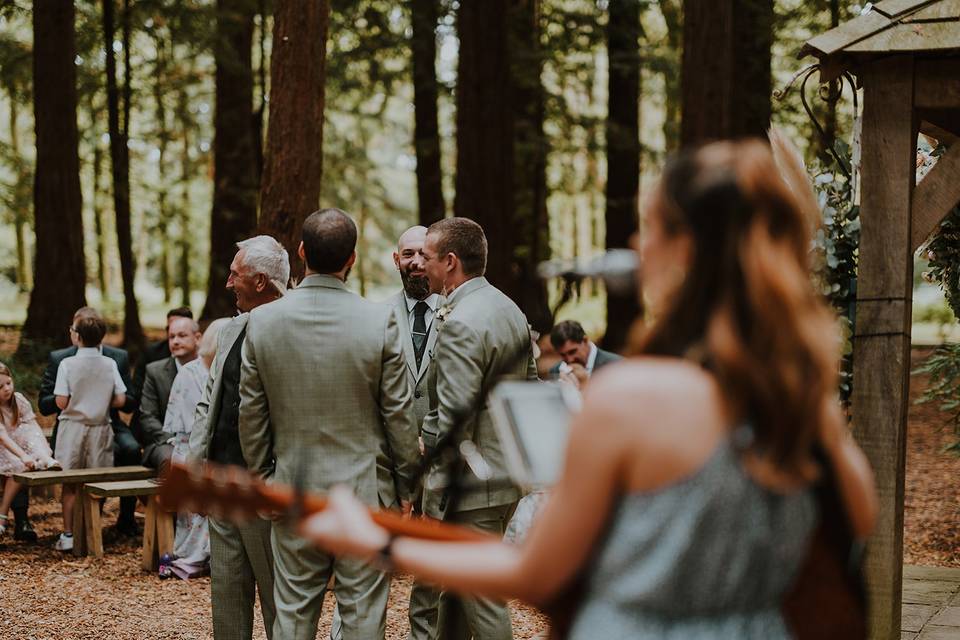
(126, 449)
(159, 350)
(183, 336)
(576, 351)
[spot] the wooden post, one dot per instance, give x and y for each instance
(92, 527)
(881, 346)
(79, 526)
(148, 558)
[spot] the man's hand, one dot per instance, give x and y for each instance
(406, 508)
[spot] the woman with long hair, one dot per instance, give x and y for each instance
(686, 501)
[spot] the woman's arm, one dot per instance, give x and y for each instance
(556, 548)
(851, 469)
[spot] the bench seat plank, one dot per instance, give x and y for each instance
(123, 488)
(84, 476)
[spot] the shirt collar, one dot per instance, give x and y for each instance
(90, 351)
(592, 358)
(432, 300)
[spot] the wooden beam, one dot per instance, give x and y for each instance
(938, 83)
(935, 196)
(881, 345)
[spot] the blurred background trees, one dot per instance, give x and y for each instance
(198, 122)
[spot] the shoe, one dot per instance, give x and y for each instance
(127, 528)
(64, 543)
(23, 530)
(3, 525)
(52, 465)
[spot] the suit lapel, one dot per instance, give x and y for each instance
(428, 350)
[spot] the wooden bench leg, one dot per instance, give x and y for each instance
(92, 526)
(148, 554)
(164, 529)
(79, 526)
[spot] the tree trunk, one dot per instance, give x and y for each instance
(830, 117)
(235, 145)
(623, 156)
(183, 214)
(120, 163)
(20, 213)
(163, 139)
(726, 69)
(672, 17)
(290, 189)
(98, 222)
(501, 150)
(59, 285)
(426, 130)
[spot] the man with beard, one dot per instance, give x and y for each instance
(324, 393)
(416, 307)
(241, 558)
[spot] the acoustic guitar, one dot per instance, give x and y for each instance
(827, 600)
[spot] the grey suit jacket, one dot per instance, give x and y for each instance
(483, 338)
(324, 389)
(205, 419)
(418, 377)
(153, 403)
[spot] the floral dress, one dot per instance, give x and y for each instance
(27, 434)
(191, 544)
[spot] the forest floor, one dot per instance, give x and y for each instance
(45, 594)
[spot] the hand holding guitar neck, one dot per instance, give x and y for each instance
(233, 494)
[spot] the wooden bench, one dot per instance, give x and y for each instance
(82, 477)
(157, 530)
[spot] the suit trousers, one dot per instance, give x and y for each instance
(241, 562)
(459, 618)
(302, 575)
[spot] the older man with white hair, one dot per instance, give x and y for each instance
(241, 557)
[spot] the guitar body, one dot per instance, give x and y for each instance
(828, 601)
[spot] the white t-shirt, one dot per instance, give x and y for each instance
(91, 379)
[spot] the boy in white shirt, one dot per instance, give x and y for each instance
(88, 385)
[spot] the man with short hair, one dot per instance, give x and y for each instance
(482, 337)
(126, 448)
(416, 307)
(159, 350)
(318, 409)
(183, 336)
(573, 346)
(241, 558)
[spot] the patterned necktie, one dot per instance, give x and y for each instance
(419, 330)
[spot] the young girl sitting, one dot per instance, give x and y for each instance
(23, 446)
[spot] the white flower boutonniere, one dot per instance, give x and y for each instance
(443, 312)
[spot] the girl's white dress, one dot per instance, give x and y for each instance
(27, 434)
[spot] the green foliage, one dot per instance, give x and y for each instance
(836, 246)
(943, 367)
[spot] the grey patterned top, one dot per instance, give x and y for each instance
(709, 557)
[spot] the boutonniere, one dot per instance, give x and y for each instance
(443, 312)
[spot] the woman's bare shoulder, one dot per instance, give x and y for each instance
(668, 412)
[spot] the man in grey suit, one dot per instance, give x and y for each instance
(241, 558)
(183, 336)
(416, 307)
(323, 391)
(482, 337)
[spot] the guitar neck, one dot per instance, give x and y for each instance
(233, 494)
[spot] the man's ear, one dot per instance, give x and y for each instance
(452, 260)
(261, 281)
(396, 260)
(300, 252)
(351, 260)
